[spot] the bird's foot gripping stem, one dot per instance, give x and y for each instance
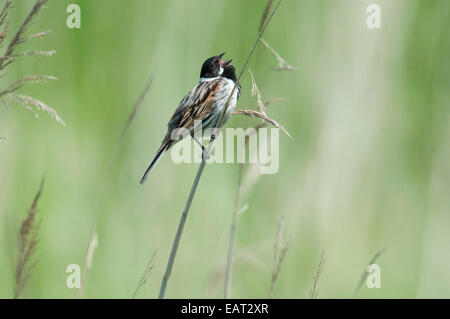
(207, 150)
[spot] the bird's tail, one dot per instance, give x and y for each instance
(162, 149)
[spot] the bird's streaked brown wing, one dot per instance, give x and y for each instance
(196, 105)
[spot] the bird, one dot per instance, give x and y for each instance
(204, 104)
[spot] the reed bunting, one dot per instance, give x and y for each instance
(203, 105)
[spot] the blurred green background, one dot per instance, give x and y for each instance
(368, 168)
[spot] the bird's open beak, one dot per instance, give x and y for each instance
(223, 63)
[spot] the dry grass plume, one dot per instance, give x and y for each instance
(365, 274)
(314, 293)
(280, 249)
(146, 274)
(11, 54)
(28, 239)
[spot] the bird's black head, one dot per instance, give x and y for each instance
(213, 67)
(229, 72)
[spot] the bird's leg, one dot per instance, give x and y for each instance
(206, 154)
(199, 143)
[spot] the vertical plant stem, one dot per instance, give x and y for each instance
(176, 241)
(229, 268)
